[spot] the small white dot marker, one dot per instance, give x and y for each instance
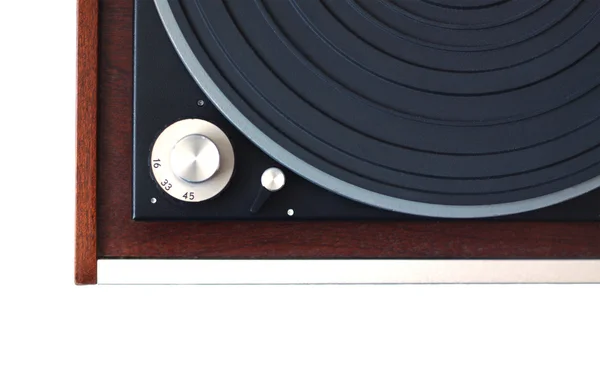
(290, 212)
(153, 200)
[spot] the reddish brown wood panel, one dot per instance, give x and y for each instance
(119, 236)
(87, 87)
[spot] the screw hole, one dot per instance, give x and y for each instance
(200, 103)
(153, 200)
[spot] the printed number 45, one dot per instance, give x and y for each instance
(189, 195)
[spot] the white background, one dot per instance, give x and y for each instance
(46, 322)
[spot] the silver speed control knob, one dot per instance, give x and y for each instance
(195, 158)
(192, 160)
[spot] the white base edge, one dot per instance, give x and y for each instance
(197, 271)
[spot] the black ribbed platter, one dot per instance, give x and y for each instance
(451, 108)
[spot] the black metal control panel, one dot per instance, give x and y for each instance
(165, 94)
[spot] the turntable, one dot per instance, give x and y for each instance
(345, 129)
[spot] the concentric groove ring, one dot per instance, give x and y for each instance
(315, 106)
(478, 84)
(531, 6)
(378, 37)
(466, 4)
(519, 29)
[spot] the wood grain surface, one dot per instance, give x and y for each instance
(120, 237)
(87, 89)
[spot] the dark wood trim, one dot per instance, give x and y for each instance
(87, 107)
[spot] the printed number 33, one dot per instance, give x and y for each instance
(166, 184)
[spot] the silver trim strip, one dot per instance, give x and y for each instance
(325, 180)
(346, 271)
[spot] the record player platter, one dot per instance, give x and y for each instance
(371, 109)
